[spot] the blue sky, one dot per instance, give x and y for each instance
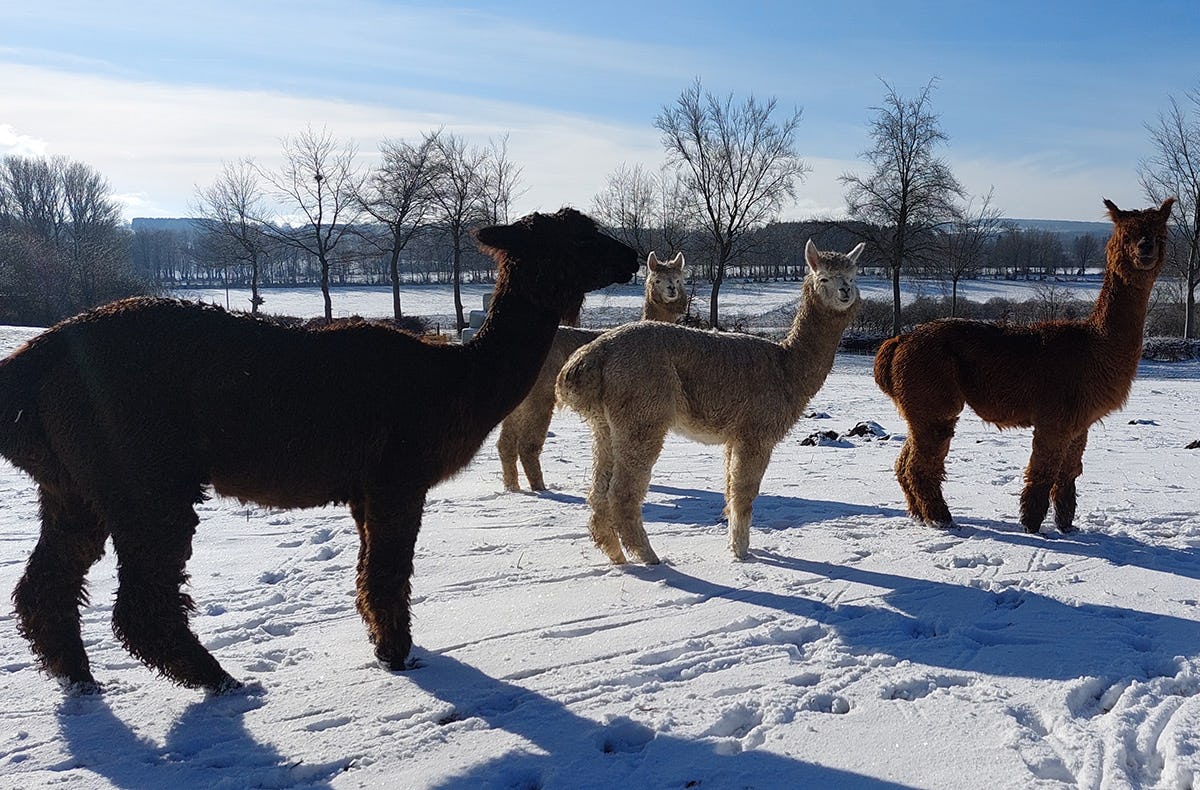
(1044, 101)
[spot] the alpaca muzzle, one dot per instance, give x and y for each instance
(1147, 255)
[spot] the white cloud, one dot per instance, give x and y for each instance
(155, 142)
(15, 143)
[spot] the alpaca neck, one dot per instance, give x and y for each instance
(506, 355)
(1119, 316)
(812, 342)
(662, 311)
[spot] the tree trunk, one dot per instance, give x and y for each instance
(394, 270)
(457, 273)
(953, 297)
(895, 298)
(325, 290)
(712, 302)
(255, 299)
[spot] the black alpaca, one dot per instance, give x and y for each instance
(125, 414)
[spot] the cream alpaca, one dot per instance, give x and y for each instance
(666, 298)
(635, 383)
(523, 431)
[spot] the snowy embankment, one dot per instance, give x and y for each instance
(854, 648)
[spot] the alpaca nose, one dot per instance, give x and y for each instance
(1145, 247)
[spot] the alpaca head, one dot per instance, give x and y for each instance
(664, 281)
(831, 275)
(1139, 239)
(554, 259)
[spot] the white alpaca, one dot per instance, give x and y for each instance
(635, 383)
(523, 431)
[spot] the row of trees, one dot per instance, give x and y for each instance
(729, 168)
(63, 245)
(438, 185)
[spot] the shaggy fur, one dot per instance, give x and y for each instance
(125, 414)
(637, 382)
(1057, 377)
(666, 297)
(523, 431)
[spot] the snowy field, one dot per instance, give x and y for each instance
(751, 302)
(853, 649)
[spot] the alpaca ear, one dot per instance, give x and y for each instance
(1113, 211)
(1164, 210)
(500, 237)
(677, 261)
(652, 262)
(812, 256)
(858, 250)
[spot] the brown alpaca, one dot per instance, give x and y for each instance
(1057, 377)
(125, 414)
(637, 382)
(523, 431)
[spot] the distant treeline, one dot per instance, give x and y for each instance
(174, 253)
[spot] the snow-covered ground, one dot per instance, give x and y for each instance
(854, 649)
(619, 303)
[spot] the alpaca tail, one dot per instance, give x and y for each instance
(883, 365)
(580, 382)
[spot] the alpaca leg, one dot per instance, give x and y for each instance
(634, 454)
(1045, 463)
(49, 594)
(601, 525)
(506, 446)
(744, 475)
(1063, 490)
(389, 529)
(926, 470)
(728, 479)
(150, 616)
(904, 477)
(530, 447)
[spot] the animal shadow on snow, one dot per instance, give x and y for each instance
(1015, 633)
(209, 746)
(696, 506)
(569, 750)
(1117, 549)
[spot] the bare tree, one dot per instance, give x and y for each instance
(1173, 170)
(645, 209)
(909, 192)
(399, 197)
(501, 182)
(626, 206)
(319, 179)
(458, 194)
(965, 243)
(62, 245)
(738, 165)
(1087, 249)
(233, 210)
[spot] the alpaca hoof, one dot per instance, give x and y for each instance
(648, 558)
(394, 661)
(81, 688)
(226, 685)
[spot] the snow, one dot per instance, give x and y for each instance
(756, 302)
(854, 649)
